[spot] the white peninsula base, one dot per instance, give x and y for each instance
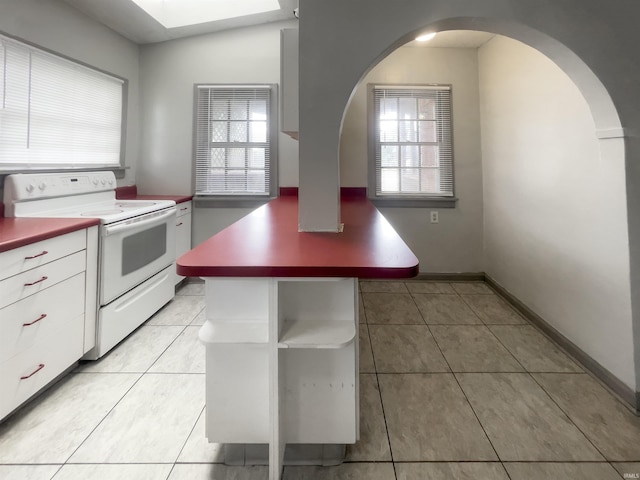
(281, 362)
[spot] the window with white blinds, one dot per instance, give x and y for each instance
(55, 113)
(413, 154)
(234, 140)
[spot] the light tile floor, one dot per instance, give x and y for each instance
(454, 384)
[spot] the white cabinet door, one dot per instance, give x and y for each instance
(183, 232)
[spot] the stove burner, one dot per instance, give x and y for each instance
(101, 213)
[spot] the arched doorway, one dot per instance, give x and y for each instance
(368, 45)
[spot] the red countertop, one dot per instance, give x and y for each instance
(18, 232)
(131, 193)
(266, 243)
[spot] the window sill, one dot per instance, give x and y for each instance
(211, 201)
(413, 202)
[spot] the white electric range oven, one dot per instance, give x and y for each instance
(136, 243)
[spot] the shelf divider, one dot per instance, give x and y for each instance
(317, 334)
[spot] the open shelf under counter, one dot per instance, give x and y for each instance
(239, 333)
(317, 334)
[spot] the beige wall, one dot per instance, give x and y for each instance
(555, 227)
(56, 26)
(454, 244)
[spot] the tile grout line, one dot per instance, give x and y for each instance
(568, 417)
(189, 436)
(128, 390)
(102, 420)
(465, 397)
(384, 416)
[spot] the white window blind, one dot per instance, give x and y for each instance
(413, 141)
(55, 113)
(233, 140)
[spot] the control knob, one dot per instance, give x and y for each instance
(42, 186)
(95, 181)
(30, 188)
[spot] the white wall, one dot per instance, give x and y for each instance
(554, 207)
(454, 244)
(56, 26)
(169, 71)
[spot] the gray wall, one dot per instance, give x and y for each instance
(555, 228)
(54, 25)
(454, 244)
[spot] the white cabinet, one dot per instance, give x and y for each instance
(47, 322)
(282, 363)
(183, 232)
(289, 81)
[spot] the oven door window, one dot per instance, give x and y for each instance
(141, 249)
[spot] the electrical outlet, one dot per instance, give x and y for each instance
(434, 217)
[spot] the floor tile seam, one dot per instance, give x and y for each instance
(117, 463)
(473, 310)
(465, 396)
(566, 414)
(191, 432)
(415, 304)
(384, 416)
(537, 329)
(509, 372)
(103, 418)
(508, 461)
(475, 414)
(524, 369)
(166, 348)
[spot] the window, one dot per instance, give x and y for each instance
(55, 113)
(235, 140)
(411, 143)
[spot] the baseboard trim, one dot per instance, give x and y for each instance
(452, 277)
(622, 391)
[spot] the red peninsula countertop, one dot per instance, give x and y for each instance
(18, 232)
(266, 243)
(131, 193)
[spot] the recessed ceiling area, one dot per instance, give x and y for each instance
(151, 21)
(180, 13)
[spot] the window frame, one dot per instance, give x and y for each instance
(120, 168)
(240, 200)
(400, 199)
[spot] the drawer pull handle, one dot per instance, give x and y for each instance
(41, 317)
(178, 224)
(40, 367)
(37, 281)
(44, 252)
(183, 209)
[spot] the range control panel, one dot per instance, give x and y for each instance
(36, 186)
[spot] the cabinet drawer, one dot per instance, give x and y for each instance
(38, 317)
(183, 208)
(40, 364)
(25, 258)
(38, 279)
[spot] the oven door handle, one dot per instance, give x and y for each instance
(137, 222)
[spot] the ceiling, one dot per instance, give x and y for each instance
(132, 22)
